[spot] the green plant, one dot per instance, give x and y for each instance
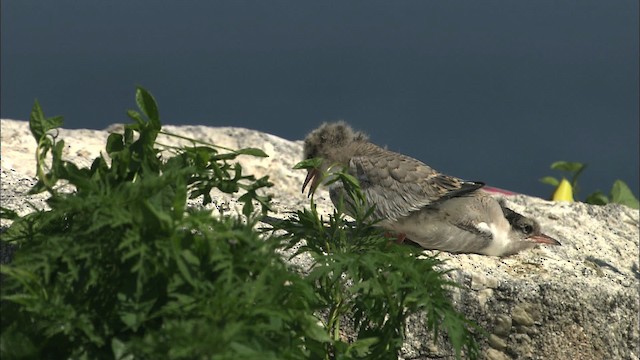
(361, 276)
(620, 192)
(573, 169)
(122, 268)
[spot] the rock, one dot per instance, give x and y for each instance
(493, 354)
(521, 317)
(579, 300)
(497, 342)
(502, 325)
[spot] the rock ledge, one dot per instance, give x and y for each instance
(579, 300)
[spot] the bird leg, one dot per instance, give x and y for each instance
(400, 237)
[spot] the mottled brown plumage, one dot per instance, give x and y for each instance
(396, 183)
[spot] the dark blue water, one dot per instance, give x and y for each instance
(493, 90)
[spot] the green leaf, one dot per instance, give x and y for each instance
(246, 352)
(119, 349)
(309, 164)
(180, 199)
(597, 198)
(362, 347)
(15, 344)
(56, 161)
(184, 269)
(349, 180)
(314, 331)
(190, 258)
(251, 151)
(36, 121)
(38, 187)
(550, 180)
(115, 142)
(80, 178)
(224, 156)
(135, 116)
(39, 124)
(155, 216)
(8, 214)
(572, 167)
(147, 104)
(622, 194)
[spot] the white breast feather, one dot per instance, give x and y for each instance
(500, 239)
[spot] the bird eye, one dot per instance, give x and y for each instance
(526, 228)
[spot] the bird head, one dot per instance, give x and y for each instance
(526, 232)
(328, 143)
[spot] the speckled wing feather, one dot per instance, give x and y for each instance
(398, 184)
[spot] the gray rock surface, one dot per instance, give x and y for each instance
(576, 301)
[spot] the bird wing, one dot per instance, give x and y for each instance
(468, 223)
(398, 184)
(473, 213)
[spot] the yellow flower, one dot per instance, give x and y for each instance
(563, 192)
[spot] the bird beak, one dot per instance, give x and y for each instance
(544, 239)
(313, 176)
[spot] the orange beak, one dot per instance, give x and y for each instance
(314, 176)
(544, 239)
